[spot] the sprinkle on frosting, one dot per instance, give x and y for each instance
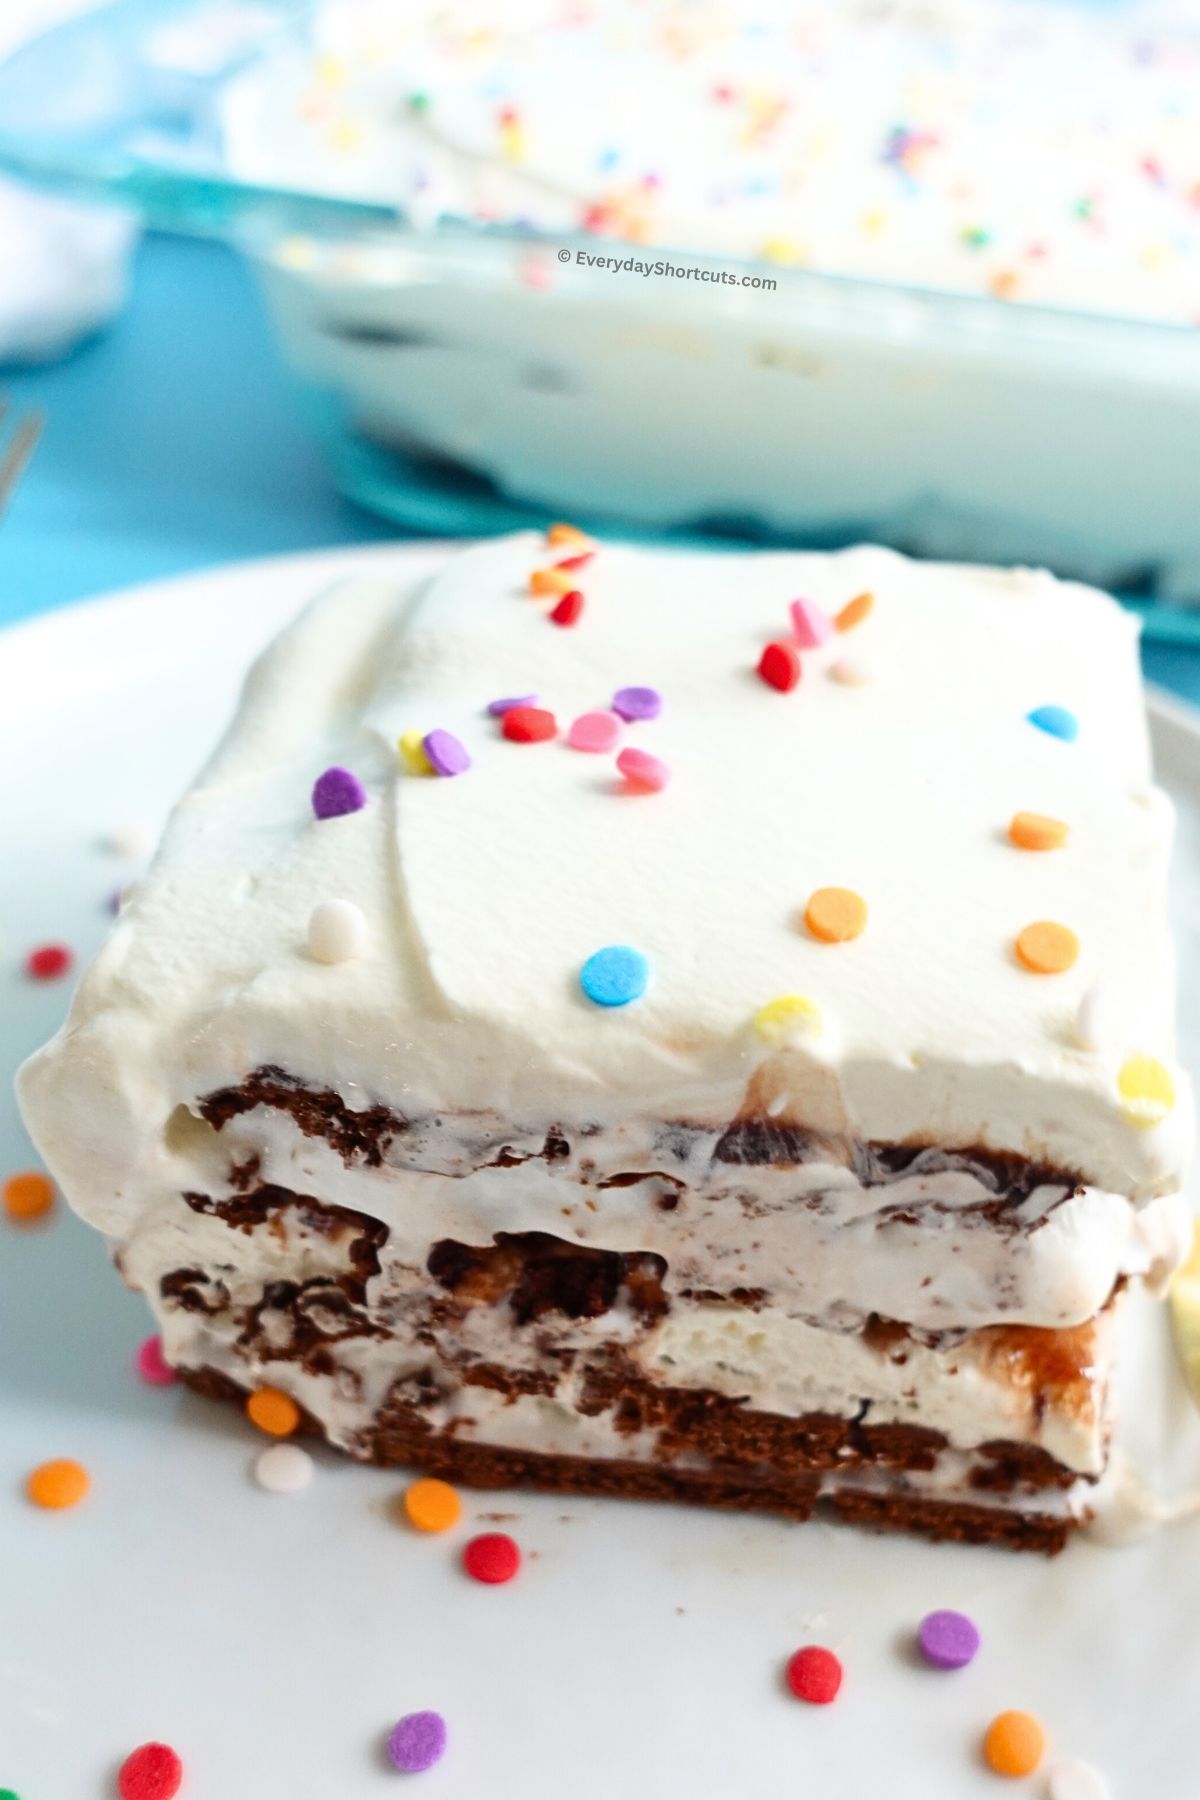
(58, 1485)
(577, 562)
(779, 666)
(811, 625)
(498, 708)
(49, 962)
(835, 915)
(637, 703)
(1094, 1021)
(560, 534)
(948, 1640)
(1014, 1744)
(852, 671)
(432, 1505)
(854, 611)
(569, 610)
(283, 1469)
(1034, 831)
(411, 745)
(447, 754)
(417, 1741)
(28, 1195)
(274, 1412)
(615, 975)
(597, 732)
(1047, 948)
(648, 774)
(151, 1365)
(493, 1557)
(336, 792)
(787, 1019)
(815, 1674)
(1147, 1090)
(151, 1772)
(550, 581)
(528, 725)
(1055, 721)
(337, 931)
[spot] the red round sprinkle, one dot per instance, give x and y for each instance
(815, 1675)
(779, 666)
(568, 609)
(152, 1773)
(48, 962)
(528, 724)
(492, 1557)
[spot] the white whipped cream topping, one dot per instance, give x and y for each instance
(484, 894)
(943, 143)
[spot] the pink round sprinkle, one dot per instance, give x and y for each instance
(417, 1741)
(594, 731)
(498, 708)
(948, 1640)
(337, 791)
(810, 625)
(152, 1365)
(641, 770)
(637, 702)
(446, 754)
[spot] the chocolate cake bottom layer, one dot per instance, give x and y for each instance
(401, 1438)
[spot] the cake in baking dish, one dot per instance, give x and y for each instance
(682, 1025)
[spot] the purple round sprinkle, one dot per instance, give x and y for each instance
(337, 791)
(498, 708)
(637, 703)
(417, 1742)
(445, 752)
(948, 1640)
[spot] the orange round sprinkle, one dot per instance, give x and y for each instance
(1034, 831)
(835, 915)
(29, 1195)
(1014, 1745)
(566, 534)
(432, 1505)
(1047, 948)
(58, 1484)
(854, 612)
(275, 1413)
(551, 581)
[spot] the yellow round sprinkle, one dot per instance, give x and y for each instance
(787, 1018)
(835, 915)
(275, 1413)
(1034, 831)
(1047, 948)
(1015, 1744)
(432, 1505)
(412, 749)
(1148, 1090)
(552, 581)
(854, 612)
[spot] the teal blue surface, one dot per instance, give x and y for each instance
(174, 443)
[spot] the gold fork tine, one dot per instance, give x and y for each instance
(20, 449)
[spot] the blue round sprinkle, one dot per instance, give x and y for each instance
(615, 975)
(1057, 721)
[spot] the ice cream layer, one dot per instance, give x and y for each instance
(891, 771)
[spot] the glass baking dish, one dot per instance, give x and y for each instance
(469, 377)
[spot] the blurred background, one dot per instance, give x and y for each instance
(277, 276)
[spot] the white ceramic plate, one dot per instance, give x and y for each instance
(274, 1640)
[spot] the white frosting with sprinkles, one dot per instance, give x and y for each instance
(1035, 152)
(485, 895)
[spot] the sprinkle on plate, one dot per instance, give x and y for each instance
(58, 1485)
(432, 1505)
(48, 962)
(1014, 1744)
(28, 1195)
(152, 1772)
(493, 1557)
(815, 1674)
(152, 1366)
(417, 1741)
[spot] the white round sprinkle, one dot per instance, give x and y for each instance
(337, 931)
(1093, 1021)
(852, 671)
(283, 1469)
(131, 841)
(1073, 1780)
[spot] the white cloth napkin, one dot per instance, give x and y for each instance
(64, 268)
